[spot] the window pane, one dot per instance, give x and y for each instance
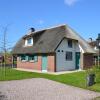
(23, 57)
(69, 56)
(31, 57)
(70, 43)
(29, 41)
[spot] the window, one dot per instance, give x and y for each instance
(58, 50)
(97, 58)
(33, 58)
(70, 43)
(62, 51)
(68, 56)
(24, 58)
(29, 42)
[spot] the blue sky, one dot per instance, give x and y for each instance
(82, 15)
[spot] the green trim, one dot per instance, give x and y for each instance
(97, 58)
(26, 57)
(35, 58)
(31, 57)
(23, 57)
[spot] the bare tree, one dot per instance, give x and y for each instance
(4, 46)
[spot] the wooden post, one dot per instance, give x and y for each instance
(98, 61)
(12, 61)
(95, 61)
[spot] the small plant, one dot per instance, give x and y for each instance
(98, 74)
(96, 71)
(91, 71)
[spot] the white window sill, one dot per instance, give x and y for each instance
(27, 45)
(24, 60)
(31, 61)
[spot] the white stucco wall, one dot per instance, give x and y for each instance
(61, 63)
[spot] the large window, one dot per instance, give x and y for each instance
(69, 56)
(70, 43)
(31, 58)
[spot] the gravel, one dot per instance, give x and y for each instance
(42, 89)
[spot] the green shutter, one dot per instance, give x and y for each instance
(35, 58)
(29, 58)
(26, 57)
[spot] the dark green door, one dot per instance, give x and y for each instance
(77, 57)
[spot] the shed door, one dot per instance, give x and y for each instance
(77, 60)
(44, 63)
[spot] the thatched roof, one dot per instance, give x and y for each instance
(46, 41)
(93, 43)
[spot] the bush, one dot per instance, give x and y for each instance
(95, 70)
(98, 76)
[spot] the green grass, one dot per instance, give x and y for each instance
(77, 79)
(97, 98)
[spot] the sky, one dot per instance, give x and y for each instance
(20, 15)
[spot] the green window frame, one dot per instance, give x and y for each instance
(97, 58)
(33, 58)
(22, 57)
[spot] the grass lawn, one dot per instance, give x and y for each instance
(97, 98)
(77, 79)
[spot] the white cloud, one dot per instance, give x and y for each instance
(70, 2)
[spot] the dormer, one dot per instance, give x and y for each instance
(29, 38)
(29, 41)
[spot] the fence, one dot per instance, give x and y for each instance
(8, 65)
(96, 62)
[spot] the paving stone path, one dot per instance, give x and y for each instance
(42, 89)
